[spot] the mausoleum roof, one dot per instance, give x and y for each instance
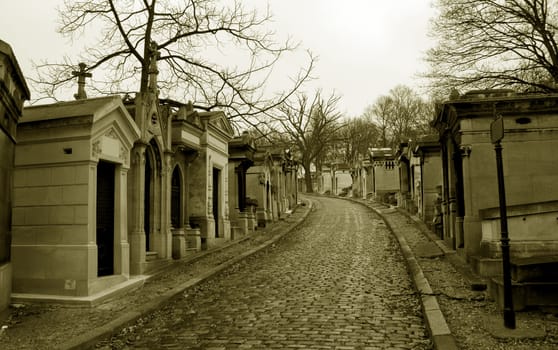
(77, 108)
(6, 49)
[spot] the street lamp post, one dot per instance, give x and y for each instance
(496, 135)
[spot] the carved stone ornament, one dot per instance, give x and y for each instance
(112, 134)
(123, 154)
(465, 150)
(96, 149)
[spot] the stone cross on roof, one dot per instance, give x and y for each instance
(81, 74)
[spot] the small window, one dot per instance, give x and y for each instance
(523, 120)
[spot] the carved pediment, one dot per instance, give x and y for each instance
(219, 121)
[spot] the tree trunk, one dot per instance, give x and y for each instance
(308, 178)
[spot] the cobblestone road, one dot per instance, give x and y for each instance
(337, 282)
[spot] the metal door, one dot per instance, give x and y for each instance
(105, 218)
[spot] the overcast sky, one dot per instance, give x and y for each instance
(365, 47)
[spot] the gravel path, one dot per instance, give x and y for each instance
(471, 315)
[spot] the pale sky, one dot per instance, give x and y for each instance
(365, 47)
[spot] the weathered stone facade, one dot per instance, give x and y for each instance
(210, 173)
(470, 190)
(108, 188)
(242, 209)
(427, 180)
(259, 186)
(13, 92)
(69, 225)
(385, 175)
(420, 174)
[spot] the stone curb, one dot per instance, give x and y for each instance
(88, 340)
(441, 335)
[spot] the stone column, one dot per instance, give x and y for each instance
(166, 178)
(226, 219)
(452, 200)
(122, 249)
(192, 235)
(136, 187)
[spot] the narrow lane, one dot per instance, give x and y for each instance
(337, 282)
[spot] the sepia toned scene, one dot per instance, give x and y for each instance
(311, 174)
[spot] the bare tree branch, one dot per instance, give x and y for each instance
(194, 38)
(399, 116)
(494, 44)
(310, 125)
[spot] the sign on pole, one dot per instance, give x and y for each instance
(497, 129)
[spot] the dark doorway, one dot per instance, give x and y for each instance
(147, 201)
(105, 218)
(216, 175)
(175, 198)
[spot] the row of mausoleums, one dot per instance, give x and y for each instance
(98, 191)
(449, 180)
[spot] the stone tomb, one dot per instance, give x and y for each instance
(186, 134)
(70, 229)
(209, 197)
(242, 209)
(385, 175)
(259, 187)
(429, 186)
(470, 187)
(283, 191)
(13, 91)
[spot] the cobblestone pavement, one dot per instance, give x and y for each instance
(337, 282)
(52, 326)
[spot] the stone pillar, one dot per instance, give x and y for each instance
(226, 223)
(251, 217)
(166, 231)
(452, 206)
(192, 235)
(136, 187)
(122, 249)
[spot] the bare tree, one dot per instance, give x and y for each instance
(310, 125)
(494, 44)
(409, 116)
(380, 113)
(401, 115)
(358, 135)
(187, 39)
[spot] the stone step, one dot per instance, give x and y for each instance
(525, 295)
(535, 269)
(150, 256)
(154, 266)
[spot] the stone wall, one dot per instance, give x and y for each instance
(6, 163)
(50, 226)
(6, 169)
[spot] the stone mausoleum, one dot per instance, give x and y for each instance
(470, 199)
(470, 188)
(70, 228)
(384, 175)
(109, 189)
(13, 92)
